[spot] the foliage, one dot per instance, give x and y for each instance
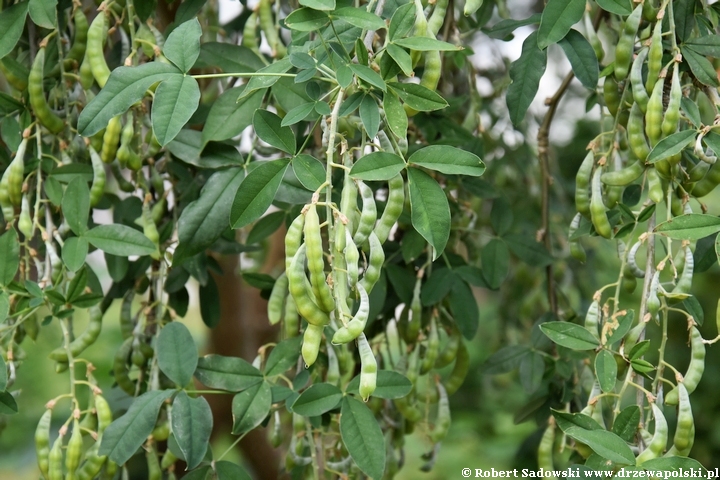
(377, 179)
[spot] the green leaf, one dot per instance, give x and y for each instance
(229, 58)
(204, 220)
(377, 166)
(618, 7)
(426, 44)
(10, 254)
(298, 114)
(126, 434)
(465, 309)
(8, 405)
(3, 372)
(501, 216)
(265, 227)
(606, 370)
(532, 369)
(626, 423)
(201, 473)
(309, 170)
(692, 227)
(227, 373)
(306, 20)
(229, 471)
(569, 335)
(402, 21)
(209, 303)
(671, 145)
(250, 407)
(74, 251)
(319, 4)
(395, 115)
(362, 437)
(527, 249)
(176, 99)
(430, 209)
(558, 17)
(701, 67)
(316, 400)
(437, 287)
(684, 18)
(192, 424)
(495, 259)
(230, 115)
(256, 192)
(12, 23)
(4, 308)
(182, 46)
(390, 385)
(616, 328)
(402, 58)
(582, 58)
(359, 17)
(418, 97)
(77, 285)
(567, 420)
(126, 86)
(76, 205)
(268, 127)
(708, 45)
(369, 75)
(120, 240)
(43, 13)
(177, 353)
(448, 160)
(525, 73)
(283, 356)
(370, 115)
(604, 443)
(673, 464)
(505, 27)
(505, 360)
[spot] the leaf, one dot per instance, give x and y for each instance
(369, 75)
(306, 20)
(430, 210)
(558, 17)
(120, 240)
(250, 407)
(582, 58)
(229, 471)
(418, 97)
(309, 170)
(402, 58)
(4, 309)
(700, 66)
(284, 356)
(182, 46)
(684, 18)
(268, 127)
(359, 17)
(525, 73)
(3, 372)
(532, 368)
(569, 335)
(402, 21)
(501, 216)
(43, 13)
(177, 353)
(316, 400)
(126, 434)
(319, 4)
(204, 220)
(377, 166)
(229, 58)
(230, 115)
(495, 259)
(74, 251)
(8, 405)
(227, 373)
(505, 27)
(626, 423)
(192, 424)
(465, 309)
(618, 7)
(298, 114)
(12, 23)
(708, 45)
(692, 226)
(370, 115)
(567, 420)
(256, 192)
(10, 254)
(390, 385)
(528, 250)
(437, 287)
(265, 227)
(209, 303)
(76, 205)
(615, 329)
(448, 160)
(362, 437)
(176, 99)
(426, 44)
(671, 145)
(606, 370)
(681, 465)
(125, 86)
(604, 443)
(395, 115)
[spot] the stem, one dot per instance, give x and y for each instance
(649, 272)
